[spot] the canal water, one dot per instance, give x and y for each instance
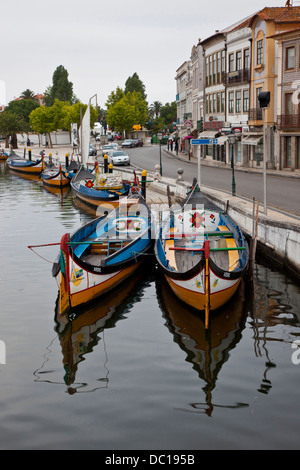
(136, 370)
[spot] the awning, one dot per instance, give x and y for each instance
(252, 139)
(222, 140)
(207, 135)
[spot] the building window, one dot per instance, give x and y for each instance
(238, 102)
(246, 101)
(207, 71)
(239, 60)
(214, 103)
(259, 52)
(223, 62)
(288, 152)
(218, 67)
(207, 104)
(218, 103)
(231, 102)
(210, 104)
(258, 91)
(231, 63)
(223, 102)
(246, 59)
(288, 103)
(214, 66)
(290, 58)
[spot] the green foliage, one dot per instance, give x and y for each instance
(135, 84)
(23, 107)
(114, 97)
(73, 114)
(128, 111)
(61, 89)
(12, 124)
(59, 116)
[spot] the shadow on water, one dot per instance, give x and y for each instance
(274, 315)
(206, 350)
(81, 330)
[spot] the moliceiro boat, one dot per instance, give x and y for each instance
(55, 178)
(22, 165)
(103, 253)
(95, 188)
(202, 253)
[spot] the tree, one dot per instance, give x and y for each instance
(23, 107)
(169, 113)
(12, 124)
(45, 120)
(61, 89)
(27, 95)
(130, 110)
(135, 84)
(74, 113)
(154, 109)
(114, 97)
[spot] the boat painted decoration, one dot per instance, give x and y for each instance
(102, 254)
(55, 177)
(22, 165)
(202, 253)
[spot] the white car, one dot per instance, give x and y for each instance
(118, 157)
(109, 147)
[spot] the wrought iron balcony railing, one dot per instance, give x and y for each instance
(237, 77)
(288, 121)
(255, 114)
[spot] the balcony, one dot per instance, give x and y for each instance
(288, 122)
(238, 77)
(255, 114)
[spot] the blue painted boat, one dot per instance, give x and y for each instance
(103, 253)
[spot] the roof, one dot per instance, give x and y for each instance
(278, 15)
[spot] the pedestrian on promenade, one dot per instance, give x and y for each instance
(171, 144)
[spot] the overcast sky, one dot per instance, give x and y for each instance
(102, 43)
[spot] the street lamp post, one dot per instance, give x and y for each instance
(232, 139)
(160, 136)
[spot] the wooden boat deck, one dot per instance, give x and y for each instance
(178, 260)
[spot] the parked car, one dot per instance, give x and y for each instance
(117, 137)
(93, 150)
(128, 143)
(106, 148)
(139, 142)
(118, 157)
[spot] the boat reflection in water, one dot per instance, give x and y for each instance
(206, 349)
(79, 330)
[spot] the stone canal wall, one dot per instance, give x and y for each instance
(278, 235)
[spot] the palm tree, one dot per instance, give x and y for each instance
(12, 124)
(27, 95)
(154, 109)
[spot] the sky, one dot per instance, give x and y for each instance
(101, 44)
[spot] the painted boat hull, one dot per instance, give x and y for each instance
(213, 257)
(55, 179)
(97, 257)
(97, 197)
(26, 166)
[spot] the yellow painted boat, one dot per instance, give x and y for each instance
(21, 165)
(94, 191)
(202, 253)
(56, 178)
(102, 254)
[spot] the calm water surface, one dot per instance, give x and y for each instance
(136, 369)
